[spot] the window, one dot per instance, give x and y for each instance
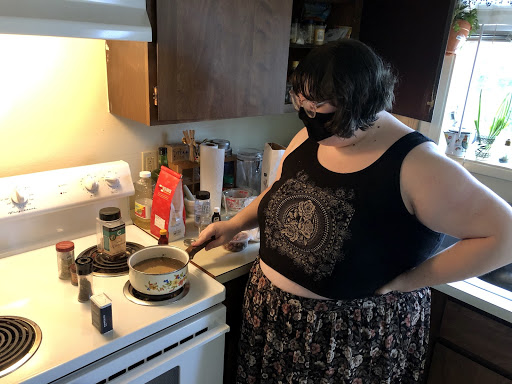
(492, 76)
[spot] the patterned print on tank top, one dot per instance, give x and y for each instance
(309, 224)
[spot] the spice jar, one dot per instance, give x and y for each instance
(65, 258)
(84, 274)
(319, 34)
(111, 232)
(74, 277)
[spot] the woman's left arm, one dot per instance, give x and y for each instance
(446, 198)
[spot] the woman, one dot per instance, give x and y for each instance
(349, 229)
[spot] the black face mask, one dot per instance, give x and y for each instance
(316, 125)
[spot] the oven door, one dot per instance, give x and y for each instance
(190, 352)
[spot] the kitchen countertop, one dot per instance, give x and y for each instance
(221, 264)
(225, 266)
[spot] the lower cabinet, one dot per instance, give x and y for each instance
(235, 290)
(450, 367)
(467, 345)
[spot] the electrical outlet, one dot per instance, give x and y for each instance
(149, 162)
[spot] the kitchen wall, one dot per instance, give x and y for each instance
(54, 111)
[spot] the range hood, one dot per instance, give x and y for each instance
(95, 19)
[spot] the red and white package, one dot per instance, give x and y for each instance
(168, 209)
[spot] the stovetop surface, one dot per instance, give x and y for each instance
(31, 288)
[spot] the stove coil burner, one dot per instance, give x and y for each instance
(19, 340)
(154, 300)
(103, 266)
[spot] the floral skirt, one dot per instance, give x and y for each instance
(291, 339)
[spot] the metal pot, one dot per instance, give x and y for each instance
(163, 283)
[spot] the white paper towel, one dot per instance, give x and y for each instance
(211, 172)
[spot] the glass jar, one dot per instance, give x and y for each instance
(84, 274)
(65, 258)
(248, 169)
(202, 209)
(319, 34)
(110, 232)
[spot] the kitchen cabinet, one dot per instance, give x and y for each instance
(235, 290)
(411, 36)
(467, 345)
(208, 60)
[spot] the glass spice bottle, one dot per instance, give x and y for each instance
(65, 258)
(216, 215)
(84, 274)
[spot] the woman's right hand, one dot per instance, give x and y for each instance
(223, 231)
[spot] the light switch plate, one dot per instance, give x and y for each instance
(149, 162)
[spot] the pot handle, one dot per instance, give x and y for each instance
(193, 250)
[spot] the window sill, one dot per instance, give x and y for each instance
(490, 168)
(496, 176)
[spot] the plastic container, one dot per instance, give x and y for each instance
(65, 258)
(238, 243)
(248, 169)
(143, 200)
(84, 274)
(110, 233)
(202, 213)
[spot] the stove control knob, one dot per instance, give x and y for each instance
(91, 185)
(112, 181)
(19, 197)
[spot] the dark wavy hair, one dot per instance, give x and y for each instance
(352, 77)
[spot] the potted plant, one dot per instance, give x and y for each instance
(500, 121)
(464, 23)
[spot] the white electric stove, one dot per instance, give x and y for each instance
(180, 341)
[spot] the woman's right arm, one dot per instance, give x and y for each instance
(247, 218)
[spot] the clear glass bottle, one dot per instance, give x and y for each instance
(202, 209)
(143, 200)
(84, 273)
(110, 232)
(162, 160)
(65, 258)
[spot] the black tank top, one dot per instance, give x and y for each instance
(342, 235)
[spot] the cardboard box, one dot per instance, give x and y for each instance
(177, 152)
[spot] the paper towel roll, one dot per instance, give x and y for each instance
(211, 172)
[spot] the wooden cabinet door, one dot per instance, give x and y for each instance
(411, 36)
(449, 367)
(221, 59)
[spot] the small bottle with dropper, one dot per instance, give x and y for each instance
(216, 215)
